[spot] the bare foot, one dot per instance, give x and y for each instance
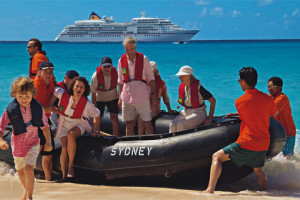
(70, 172)
(207, 191)
(23, 196)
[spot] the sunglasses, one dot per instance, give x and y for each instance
(272, 86)
(106, 66)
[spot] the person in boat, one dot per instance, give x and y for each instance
(285, 114)
(25, 115)
(192, 96)
(161, 91)
(75, 109)
(34, 48)
(254, 109)
(45, 88)
(65, 84)
(68, 79)
(136, 82)
(104, 91)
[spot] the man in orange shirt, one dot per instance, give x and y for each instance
(254, 109)
(285, 114)
(45, 89)
(34, 48)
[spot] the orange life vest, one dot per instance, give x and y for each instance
(101, 82)
(194, 94)
(139, 66)
(79, 106)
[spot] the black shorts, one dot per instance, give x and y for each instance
(112, 106)
(43, 142)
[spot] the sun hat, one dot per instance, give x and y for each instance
(106, 61)
(153, 65)
(71, 74)
(185, 70)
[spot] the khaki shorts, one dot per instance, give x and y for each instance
(29, 159)
(130, 112)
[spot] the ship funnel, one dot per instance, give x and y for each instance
(94, 16)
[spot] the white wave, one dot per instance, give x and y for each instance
(6, 169)
(283, 176)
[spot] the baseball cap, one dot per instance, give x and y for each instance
(71, 74)
(46, 65)
(106, 61)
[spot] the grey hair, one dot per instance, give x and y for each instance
(129, 40)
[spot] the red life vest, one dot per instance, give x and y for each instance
(79, 106)
(158, 83)
(194, 94)
(101, 82)
(139, 66)
(62, 85)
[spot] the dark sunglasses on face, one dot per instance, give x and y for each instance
(106, 66)
(272, 86)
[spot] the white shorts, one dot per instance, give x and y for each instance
(29, 159)
(130, 111)
(70, 123)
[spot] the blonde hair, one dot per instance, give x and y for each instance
(129, 40)
(22, 85)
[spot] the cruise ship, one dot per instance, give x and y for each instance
(144, 29)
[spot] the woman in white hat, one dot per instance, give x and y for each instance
(192, 96)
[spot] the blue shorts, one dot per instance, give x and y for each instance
(288, 148)
(241, 157)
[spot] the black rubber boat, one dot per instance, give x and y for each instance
(162, 154)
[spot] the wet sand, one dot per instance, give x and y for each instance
(10, 188)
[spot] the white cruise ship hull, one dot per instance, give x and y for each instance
(107, 30)
(166, 37)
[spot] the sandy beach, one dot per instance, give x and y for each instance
(11, 188)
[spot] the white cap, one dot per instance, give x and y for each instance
(153, 65)
(185, 70)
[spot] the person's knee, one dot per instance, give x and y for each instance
(28, 168)
(130, 124)
(114, 117)
(70, 135)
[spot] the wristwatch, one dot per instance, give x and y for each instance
(153, 93)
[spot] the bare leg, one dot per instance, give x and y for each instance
(72, 135)
(64, 158)
(130, 128)
(215, 170)
(148, 127)
(29, 174)
(47, 166)
(115, 124)
(141, 127)
(261, 178)
(22, 178)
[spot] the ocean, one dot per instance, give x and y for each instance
(215, 63)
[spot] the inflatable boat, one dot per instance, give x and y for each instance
(161, 154)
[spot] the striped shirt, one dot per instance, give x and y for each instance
(24, 142)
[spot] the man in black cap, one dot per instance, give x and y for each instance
(104, 91)
(69, 76)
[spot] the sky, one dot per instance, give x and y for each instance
(21, 20)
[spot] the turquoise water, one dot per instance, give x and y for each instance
(216, 64)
